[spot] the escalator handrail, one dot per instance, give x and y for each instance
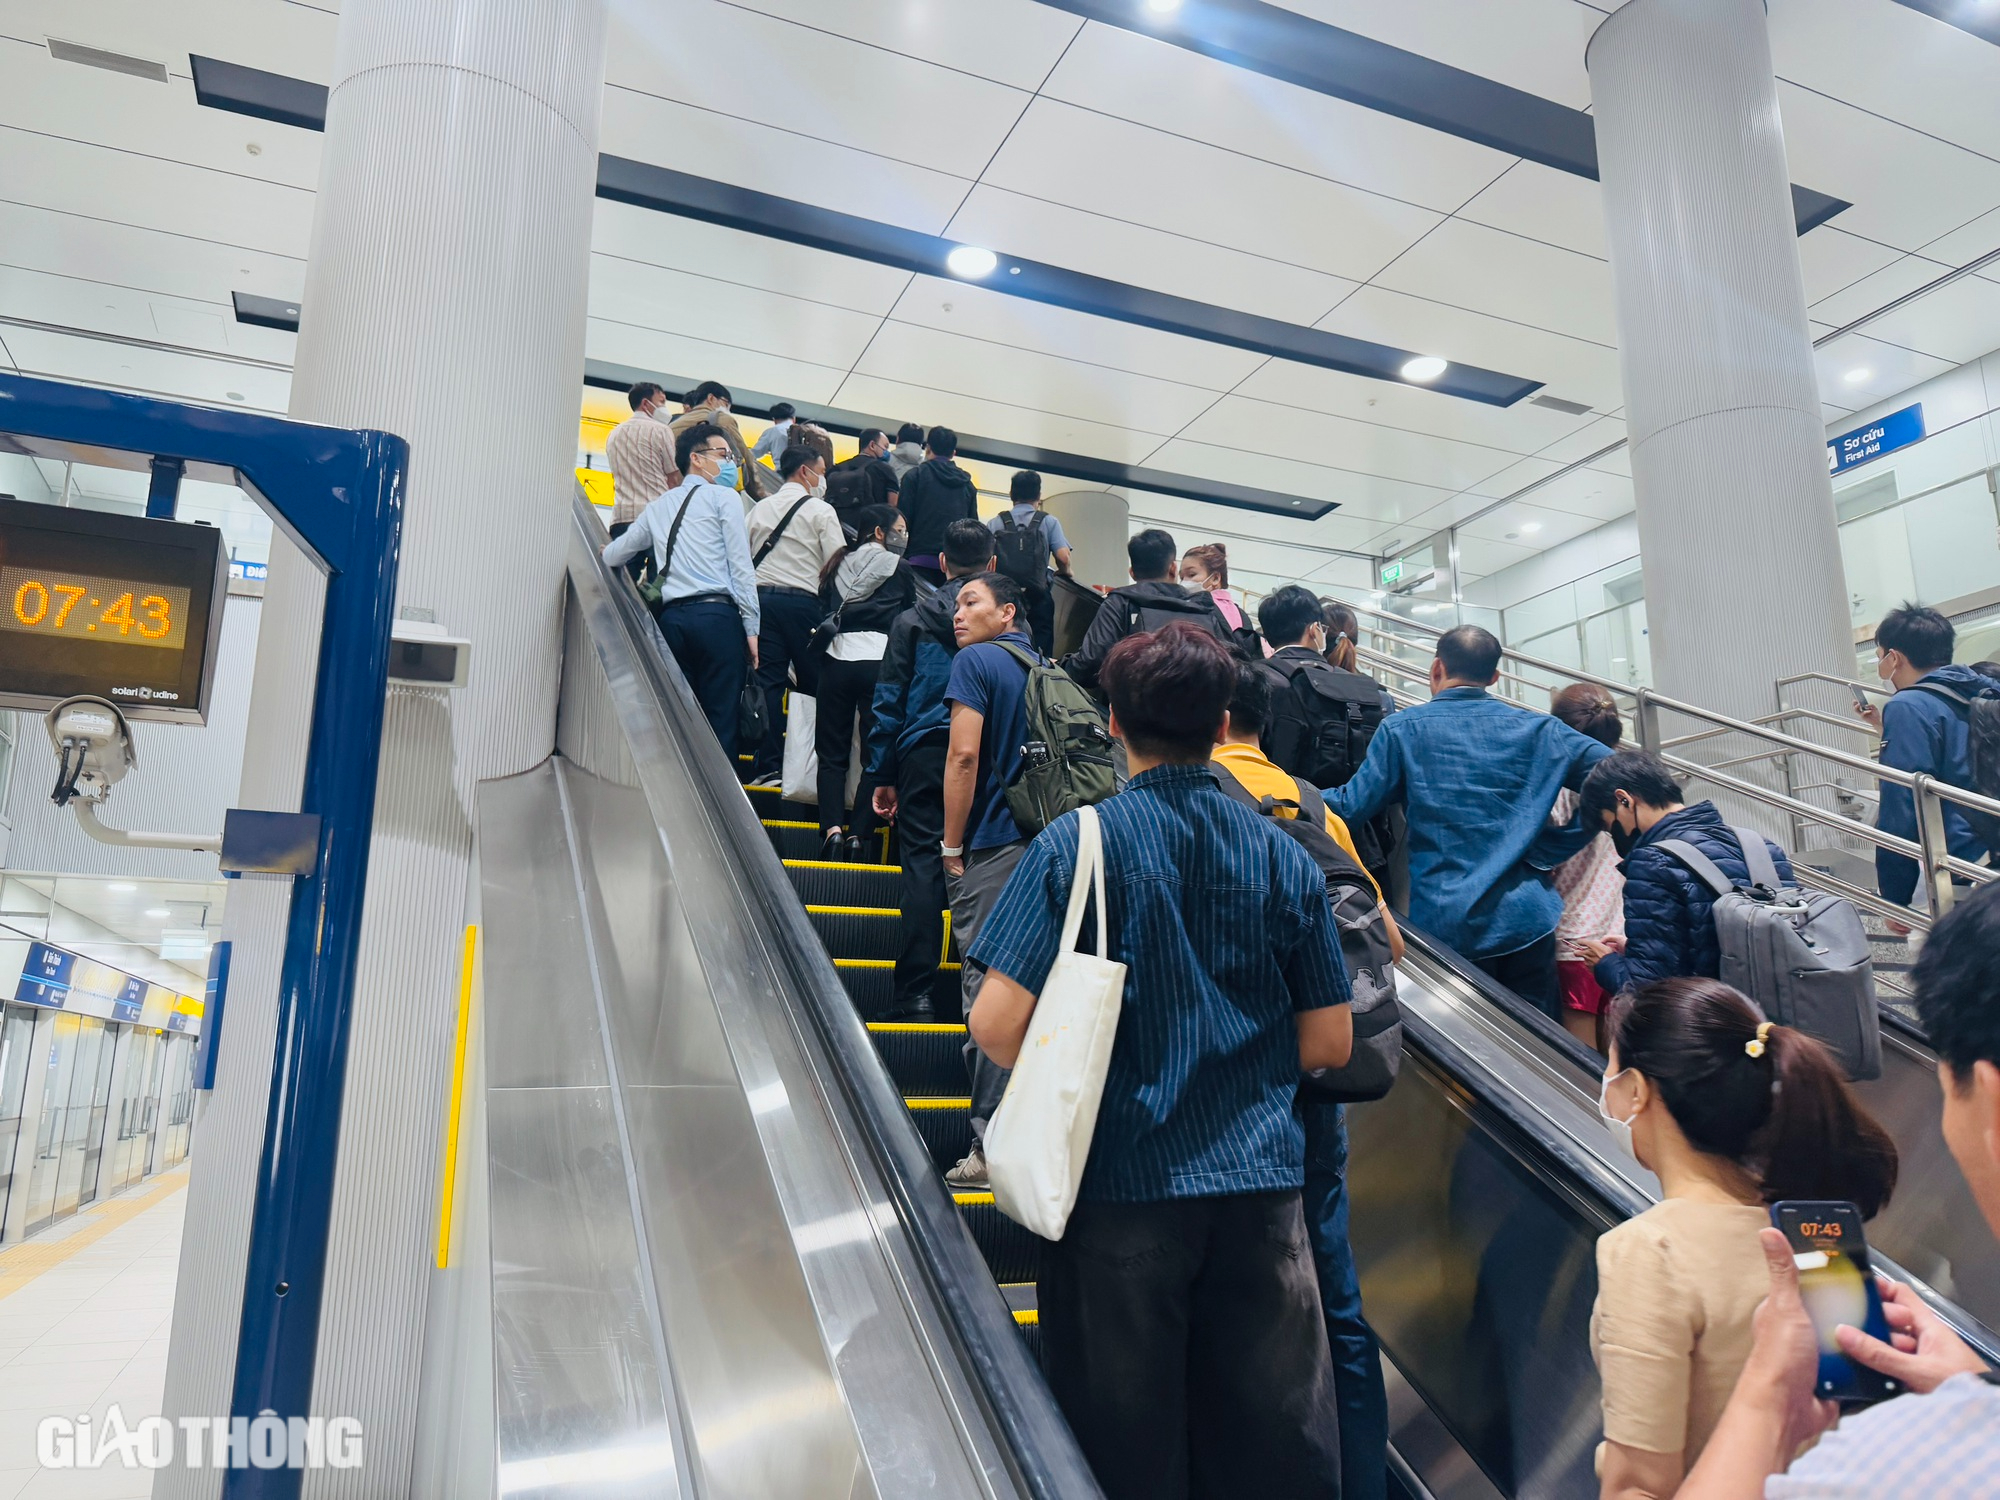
(1031, 1430)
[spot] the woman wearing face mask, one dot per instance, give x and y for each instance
(1593, 917)
(1668, 927)
(869, 588)
(1732, 1114)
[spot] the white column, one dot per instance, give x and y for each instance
(444, 302)
(1736, 524)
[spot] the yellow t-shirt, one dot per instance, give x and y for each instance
(1676, 1289)
(1261, 777)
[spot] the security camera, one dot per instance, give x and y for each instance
(93, 748)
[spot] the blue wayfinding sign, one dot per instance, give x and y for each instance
(45, 977)
(1883, 435)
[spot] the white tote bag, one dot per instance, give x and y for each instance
(801, 775)
(1039, 1137)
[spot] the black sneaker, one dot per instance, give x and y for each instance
(918, 1011)
(834, 846)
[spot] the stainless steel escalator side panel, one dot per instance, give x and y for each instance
(921, 1394)
(582, 1391)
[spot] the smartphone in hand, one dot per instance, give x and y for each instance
(1860, 699)
(1838, 1286)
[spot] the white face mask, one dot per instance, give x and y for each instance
(1621, 1130)
(819, 488)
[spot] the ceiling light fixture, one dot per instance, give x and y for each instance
(158, 911)
(1855, 377)
(1423, 369)
(1163, 7)
(971, 262)
(121, 887)
(1531, 527)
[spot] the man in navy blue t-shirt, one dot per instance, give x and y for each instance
(989, 721)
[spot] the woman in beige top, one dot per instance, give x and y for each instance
(1731, 1113)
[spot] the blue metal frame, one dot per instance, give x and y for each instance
(338, 494)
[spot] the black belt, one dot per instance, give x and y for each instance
(779, 588)
(710, 598)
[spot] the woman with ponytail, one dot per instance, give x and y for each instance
(1731, 1113)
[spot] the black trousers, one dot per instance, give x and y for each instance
(786, 618)
(1529, 972)
(846, 693)
(707, 640)
(1042, 620)
(1185, 1342)
(921, 892)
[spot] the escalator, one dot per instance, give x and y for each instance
(705, 1246)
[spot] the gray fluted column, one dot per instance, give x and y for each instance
(1736, 524)
(445, 302)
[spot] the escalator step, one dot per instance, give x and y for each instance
(793, 838)
(858, 931)
(830, 883)
(946, 1126)
(922, 1058)
(872, 985)
(1013, 1254)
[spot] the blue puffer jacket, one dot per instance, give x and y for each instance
(909, 693)
(1923, 732)
(1668, 929)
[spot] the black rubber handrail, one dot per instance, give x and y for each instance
(1028, 1426)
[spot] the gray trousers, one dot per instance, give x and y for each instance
(972, 897)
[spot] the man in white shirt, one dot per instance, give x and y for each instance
(776, 438)
(793, 536)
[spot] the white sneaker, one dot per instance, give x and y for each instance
(766, 783)
(970, 1173)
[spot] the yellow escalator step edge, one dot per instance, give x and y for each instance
(920, 1028)
(971, 1200)
(1028, 1317)
(960, 1103)
(854, 911)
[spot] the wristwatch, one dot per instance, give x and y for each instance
(950, 853)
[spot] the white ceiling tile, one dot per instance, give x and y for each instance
(1193, 265)
(809, 85)
(1832, 259)
(1515, 476)
(1526, 281)
(977, 313)
(1544, 204)
(1958, 323)
(61, 356)
(1169, 88)
(1193, 521)
(946, 362)
(1127, 171)
(1592, 494)
(1362, 495)
(1574, 369)
(1480, 556)
(1886, 369)
(1968, 242)
(644, 128)
(1340, 442)
(72, 302)
(625, 232)
(1906, 188)
(1878, 290)
(98, 250)
(718, 312)
(1599, 435)
(1533, 45)
(695, 359)
(1520, 428)
(1011, 41)
(1527, 525)
(896, 401)
(296, 40)
(1893, 61)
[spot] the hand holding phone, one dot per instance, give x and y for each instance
(1839, 1289)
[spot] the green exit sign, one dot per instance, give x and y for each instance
(1392, 573)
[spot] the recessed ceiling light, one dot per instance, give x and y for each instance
(1423, 369)
(121, 887)
(971, 262)
(234, 395)
(1531, 526)
(1163, 7)
(158, 911)
(1855, 377)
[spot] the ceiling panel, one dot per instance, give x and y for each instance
(1534, 45)
(1593, 494)
(811, 85)
(1520, 428)
(896, 401)
(1127, 171)
(1010, 41)
(1968, 242)
(1339, 442)
(644, 128)
(1479, 557)
(1857, 371)
(1171, 89)
(143, 259)
(1308, 539)
(1536, 527)
(703, 308)
(1192, 264)
(293, 39)
(637, 234)
(673, 353)
(1832, 259)
(183, 376)
(974, 312)
(75, 303)
(919, 356)
(1364, 496)
(1541, 203)
(1585, 441)
(1957, 323)
(1507, 276)
(1877, 290)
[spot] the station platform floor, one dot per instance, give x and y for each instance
(85, 1313)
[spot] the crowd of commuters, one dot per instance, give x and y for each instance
(1201, 1314)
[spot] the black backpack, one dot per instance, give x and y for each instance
(1982, 752)
(848, 489)
(1144, 615)
(1364, 944)
(1022, 551)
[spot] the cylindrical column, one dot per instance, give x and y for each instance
(1736, 524)
(445, 302)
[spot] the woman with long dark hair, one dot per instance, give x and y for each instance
(1732, 1113)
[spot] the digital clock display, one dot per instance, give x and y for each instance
(124, 608)
(80, 606)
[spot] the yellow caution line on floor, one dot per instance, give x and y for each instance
(934, 1028)
(882, 963)
(939, 1103)
(21, 1264)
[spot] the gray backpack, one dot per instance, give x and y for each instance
(1801, 955)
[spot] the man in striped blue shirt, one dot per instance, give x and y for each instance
(1180, 1315)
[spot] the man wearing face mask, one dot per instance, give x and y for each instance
(708, 610)
(1669, 931)
(709, 402)
(640, 451)
(794, 535)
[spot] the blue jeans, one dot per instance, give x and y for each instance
(1357, 1358)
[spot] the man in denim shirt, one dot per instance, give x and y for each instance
(1478, 777)
(1180, 1316)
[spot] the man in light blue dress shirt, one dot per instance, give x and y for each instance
(708, 590)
